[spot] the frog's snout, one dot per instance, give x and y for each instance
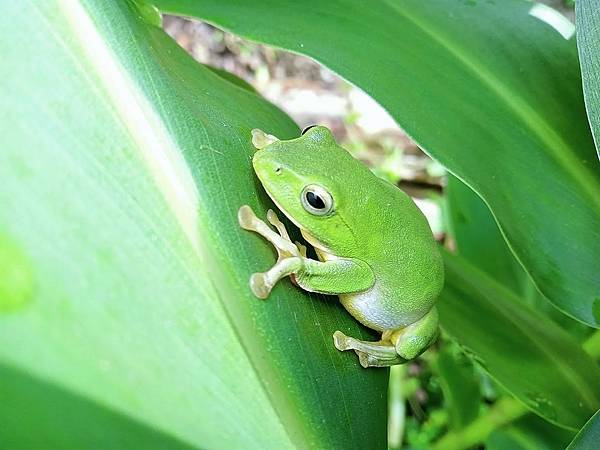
(265, 165)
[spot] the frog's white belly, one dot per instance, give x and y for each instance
(371, 310)
(375, 308)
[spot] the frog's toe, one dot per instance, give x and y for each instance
(259, 286)
(246, 217)
(368, 360)
(363, 359)
(272, 217)
(260, 139)
(340, 340)
(301, 248)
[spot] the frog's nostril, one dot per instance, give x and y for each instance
(277, 170)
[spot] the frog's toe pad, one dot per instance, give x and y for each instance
(259, 286)
(246, 217)
(272, 217)
(260, 139)
(340, 340)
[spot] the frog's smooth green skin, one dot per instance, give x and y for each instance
(375, 248)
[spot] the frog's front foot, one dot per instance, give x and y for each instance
(282, 242)
(289, 255)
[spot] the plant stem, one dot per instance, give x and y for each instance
(396, 406)
(504, 411)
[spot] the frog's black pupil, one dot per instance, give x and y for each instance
(308, 128)
(314, 200)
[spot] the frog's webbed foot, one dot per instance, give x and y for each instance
(370, 354)
(289, 259)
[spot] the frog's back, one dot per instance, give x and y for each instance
(405, 258)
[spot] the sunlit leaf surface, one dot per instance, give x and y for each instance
(123, 165)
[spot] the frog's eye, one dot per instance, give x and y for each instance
(316, 200)
(306, 129)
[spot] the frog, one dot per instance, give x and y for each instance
(374, 248)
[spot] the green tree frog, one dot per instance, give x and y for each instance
(374, 246)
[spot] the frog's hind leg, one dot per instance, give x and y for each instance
(414, 339)
(370, 354)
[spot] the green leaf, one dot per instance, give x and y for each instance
(462, 397)
(486, 88)
(478, 238)
(480, 242)
(529, 433)
(123, 165)
(587, 14)
(589, 436)
(522, 350)
(36, 415)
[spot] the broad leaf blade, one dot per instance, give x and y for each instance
(526, 353)
(480, 242)
(123, 165)
(588, 42)
(486, 88)
(462, 397)
(478, 238)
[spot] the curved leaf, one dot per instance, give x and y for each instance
(529, 433)
(480, 242)
(486, 88)
(478, 238)
(462, 397)
(123, 165)
(588, 42)
(525, 352)
(589, 436)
